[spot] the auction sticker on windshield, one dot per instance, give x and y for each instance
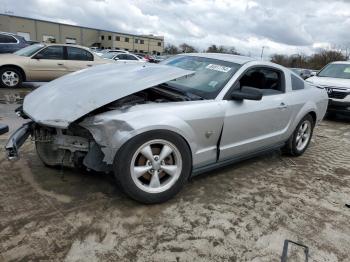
(219, 68)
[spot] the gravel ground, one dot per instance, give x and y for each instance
(241, 213)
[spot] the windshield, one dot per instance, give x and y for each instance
(29, 50)
(108, 55)
(336, 71)
(211, 75)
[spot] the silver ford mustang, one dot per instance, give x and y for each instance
(155, 125)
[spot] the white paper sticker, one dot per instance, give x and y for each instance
(219, 68)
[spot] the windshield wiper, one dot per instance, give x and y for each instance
(190, 95)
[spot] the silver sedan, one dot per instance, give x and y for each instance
(155, 125)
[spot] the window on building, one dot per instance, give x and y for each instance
(126, 39)
(142, 42)
(159, 43)
(154, 52)
(117, 38)
(102, 37)
(70, 40)
(52, 52)
(136, 41)
(158, 53)
(7, 39)
(126, 49)
(26, 36)
(109, 37)
(74, 53)
(141, 51)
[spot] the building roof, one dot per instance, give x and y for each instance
(84, 27)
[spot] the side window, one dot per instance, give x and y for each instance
(130, 57)
(297, 83)
(7, 39)
(53, 52)
(122, 57)
(74, 53)
(269, 80)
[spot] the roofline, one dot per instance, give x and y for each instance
(83, 27)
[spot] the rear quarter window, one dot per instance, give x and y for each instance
(297, 83)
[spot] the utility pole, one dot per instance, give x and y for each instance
(262, 52)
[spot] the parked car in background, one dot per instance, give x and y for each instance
(44, 62)
(147, 57)
(10, 43)
(123, 58)
(335, 78)
(155, 124)
(106, 51)
(304, 73)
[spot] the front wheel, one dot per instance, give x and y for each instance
(300, 140)
(153, 167)
(10, 77)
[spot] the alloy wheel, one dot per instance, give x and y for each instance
(10, 78)
(303, 135)
(156, 166)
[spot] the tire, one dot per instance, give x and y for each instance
(149, 177)
(292, 146)
(10, 77)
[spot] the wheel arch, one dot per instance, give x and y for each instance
(160, 129)
(313, 115)
(20, 69)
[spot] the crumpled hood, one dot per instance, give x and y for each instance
(68, 98)
(329, 82)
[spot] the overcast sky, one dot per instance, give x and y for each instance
(282, 26)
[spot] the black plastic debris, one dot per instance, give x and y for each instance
(284, 256)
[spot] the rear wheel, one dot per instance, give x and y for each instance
(300, 140)
(153, 167)
(10, 77)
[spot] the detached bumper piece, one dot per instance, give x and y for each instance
(3, 129)
(17, 139)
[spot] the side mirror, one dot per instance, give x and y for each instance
(313, 73)
(248, 93)
(116, 58)
(39, 56)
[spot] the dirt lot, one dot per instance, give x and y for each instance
(240, 213)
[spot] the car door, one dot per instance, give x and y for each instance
(251, 126)
(126, 59)
(8, 44)
(78, 58)
(48, 64)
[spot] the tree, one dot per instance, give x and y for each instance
(221, 49)
(315, 61)
(171, 49)
(186, 48)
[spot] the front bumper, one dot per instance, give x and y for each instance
(339, 100)
(17, 139)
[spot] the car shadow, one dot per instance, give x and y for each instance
(338, 117)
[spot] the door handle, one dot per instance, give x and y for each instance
(282, 106)
(89, 65)
(60, 64)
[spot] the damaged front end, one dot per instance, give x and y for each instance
(72, 147)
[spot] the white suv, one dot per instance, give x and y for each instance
(335, 78)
